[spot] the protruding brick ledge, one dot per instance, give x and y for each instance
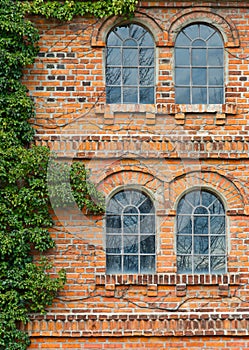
(136, 145)
(164, 324)
(168, 279)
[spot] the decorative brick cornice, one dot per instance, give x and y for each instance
(162, 324)
(146, 145)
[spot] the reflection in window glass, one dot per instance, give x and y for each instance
(130, 65)
(130, 233)
(199, 66)
(201, 233)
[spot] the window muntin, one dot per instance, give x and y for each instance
(130, 65)
(130, 233)
(201, 234)
(199, 66)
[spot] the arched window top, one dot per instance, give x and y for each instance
(199, 65)
(199, 34)
(132, 33)
(201, 233)
(130, 65)
(130, 233)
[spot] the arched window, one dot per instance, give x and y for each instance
(130, 233)
(129, 65)
(199, 66)
(201, 233)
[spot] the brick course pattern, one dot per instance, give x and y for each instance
(165, 149)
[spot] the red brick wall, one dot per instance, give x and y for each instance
(166, 149)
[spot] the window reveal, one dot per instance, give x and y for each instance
(130, 233)
(199, 66)
(130, 65)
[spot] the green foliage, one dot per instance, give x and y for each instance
(70, 185)
(17, 48)
(25, 283)
(66, 10)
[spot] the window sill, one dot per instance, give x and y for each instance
(167, 279)
(220, 110)
(179, 110)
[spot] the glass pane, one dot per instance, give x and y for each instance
(146, 40)
(130, 244)
(218, 264)
(215, 57)
(147, 95)
(130, 57)
(130, 223)
(146, 206)
(199, 76)
(113, 57)
(130, 42)
(184, 207)
(130, 95)
(215, 40)
(201, 245)
(136, 31)
(123, 197)
(201, 225)
(182, 95)
(122, 31)
(113, 224)
(113, 264)
(199, 57)
(217, 225)
(147, 224)
(206, 31)
(184, 264)
(147, 264)
(217, 245)
(146, 57)
(130, 263)
(199, 95)
(201, 211)
(184, 224)
(182, 57)
(199, 43)
(113, 40)
(182, 76)
(113, 207)
(216, 95)
(147, 244)
(130, 76)
(217, 207)
(182, 40)
(113, 244)
(215, 76)
(201, 264)
(146, 76)
(113, 94)
(184, 245)
(192, 31)
(137, 198)
(193, 197)
(130, 210)
(207, 198)
(113, 76)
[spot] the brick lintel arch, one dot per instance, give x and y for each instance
(100, 32)
(206, 15)
(125, 177)
(219, 184)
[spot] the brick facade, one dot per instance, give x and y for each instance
(165, 149)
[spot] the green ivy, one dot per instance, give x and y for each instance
(66, 10)
(29, 180)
